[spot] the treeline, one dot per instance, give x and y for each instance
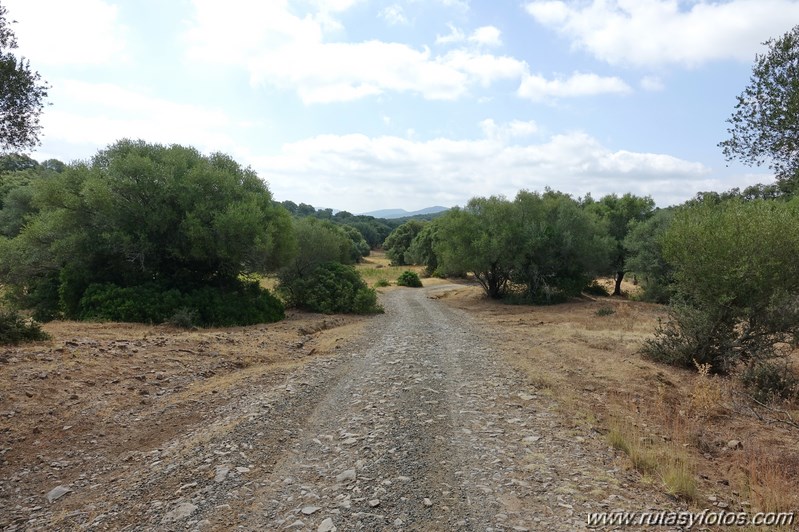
(149, 233)
(538, 247)
(725, 262)
(374, 230)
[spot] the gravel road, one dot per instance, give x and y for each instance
(419, 425)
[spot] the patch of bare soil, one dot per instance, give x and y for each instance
(77, 409)
(586, 354)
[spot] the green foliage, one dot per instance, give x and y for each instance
(15, 329)
(382, 283)
(765, 123)
(736, 280)
(770, 381)
(644, 245)
(543, 242)
(399, 241)
(22, 94)
(139, 214)
(240, 304)
(605, 311)
(183, 318)
(331, 288)
(560, 246)
(421, 250)
(358, 246)
(409, 278)
(619, 214)
(481, 238)
(318, 242)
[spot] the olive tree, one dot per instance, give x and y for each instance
(736, 284)
(764, 127)
(145, 214)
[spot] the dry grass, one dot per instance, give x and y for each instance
(655, 459)
(769, 481)
(673, 424)
(378, 267)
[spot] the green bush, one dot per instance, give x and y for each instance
(382, 283)
(331, 288)
(409, 278)
(690, 334)
(736, 284)
(183, 318)
(605, 311)
(769, 381)
(241, 304)
(15, 329)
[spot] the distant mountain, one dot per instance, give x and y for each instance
(402, 213)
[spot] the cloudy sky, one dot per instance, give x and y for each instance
(368, 104)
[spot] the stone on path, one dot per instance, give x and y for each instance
(326, 526)
(56, 493)
(346, 476)
(183, 511)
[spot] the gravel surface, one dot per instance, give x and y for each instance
(418, 425)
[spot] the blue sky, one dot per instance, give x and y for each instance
(369, 104)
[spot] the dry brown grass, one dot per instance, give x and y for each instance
(673, 424)
(377, 266)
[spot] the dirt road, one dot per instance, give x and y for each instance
(418, 425)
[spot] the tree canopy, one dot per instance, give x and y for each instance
(619, 213)
(22, 94)
(140, 214)
(764, 128)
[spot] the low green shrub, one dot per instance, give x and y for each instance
(381, 283)
(239, 304)
(331, 288)
(14, 329)
(183, 318)
(771, 381)
(605, 311)
(409, 278)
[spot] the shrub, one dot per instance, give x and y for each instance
(736, 284)
(240, 304)
(605, 311)
(331, 288)
(770, 381)
(409, 278)
(183, 318)
(15, 329)
(382, 283)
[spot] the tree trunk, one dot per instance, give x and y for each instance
(617, 289)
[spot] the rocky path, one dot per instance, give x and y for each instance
(419, 426)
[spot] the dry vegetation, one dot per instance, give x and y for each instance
(97, 393)
(686, 431)
(111, 389)
(378, 267)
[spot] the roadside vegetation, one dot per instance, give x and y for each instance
(149, 233)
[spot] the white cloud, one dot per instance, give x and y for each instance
(504, 132)
(454, 35)
(652, 83)
(538, 88)
(285, 50)
(98, 114)
(486, 36)
(78, 32)
(482, 36)
(393, 14)
(655, 32)
(331, 170)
